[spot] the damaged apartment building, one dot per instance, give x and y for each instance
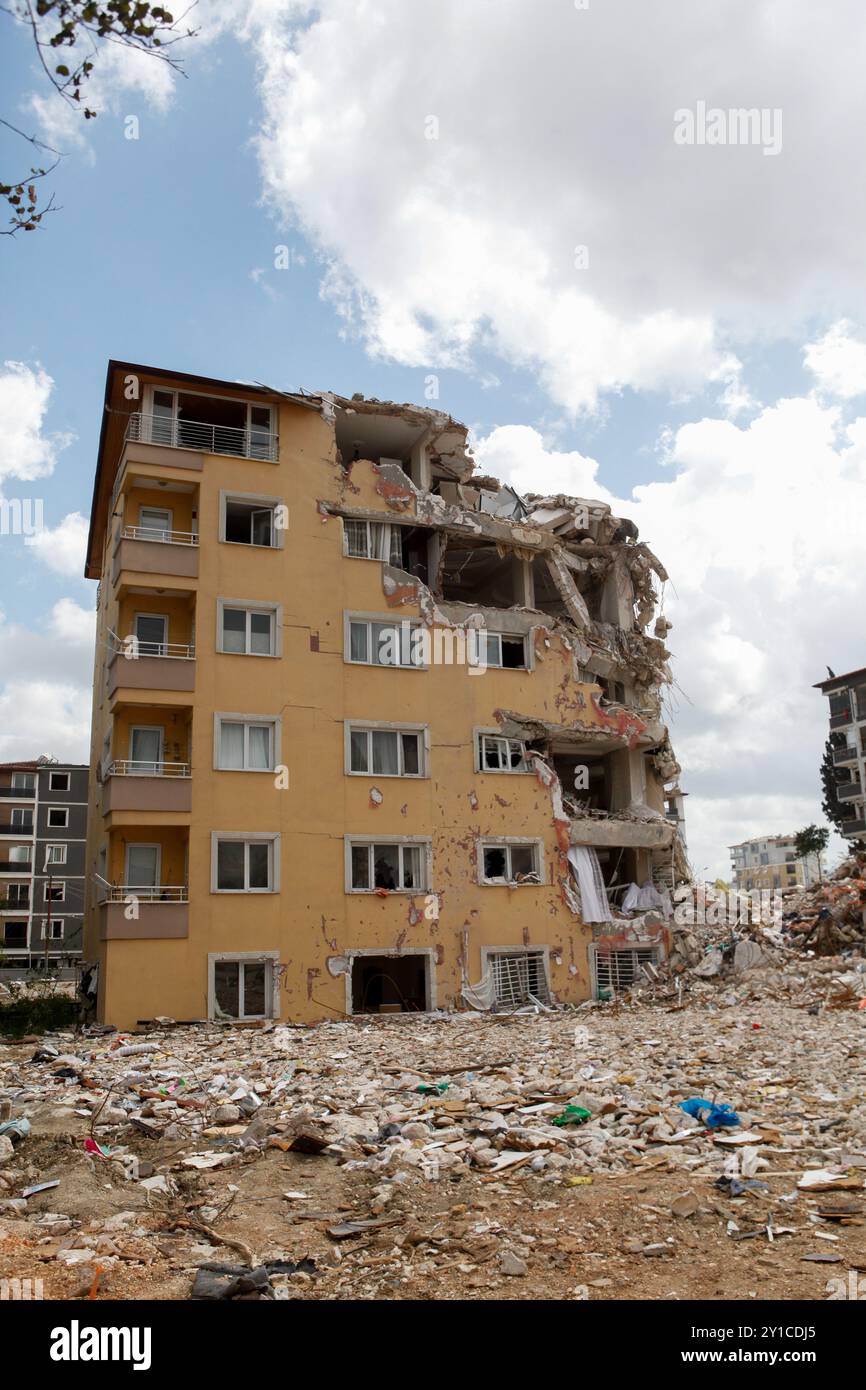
(292, 815)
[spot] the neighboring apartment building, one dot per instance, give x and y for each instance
(847, 695)
(43, 833)
(770, 861)
(292, 817)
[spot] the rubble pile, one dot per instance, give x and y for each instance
(829, 918)
(203, 1151)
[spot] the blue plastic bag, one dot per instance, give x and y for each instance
(713, 1116)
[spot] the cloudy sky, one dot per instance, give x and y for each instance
(497, 193)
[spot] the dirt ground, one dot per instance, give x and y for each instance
(576, 1232)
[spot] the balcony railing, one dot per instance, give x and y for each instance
(206, 439)
(132, 648)
(21, 867)
(848, 754)
(158, 534)
(124, 767)
(18, 793)
(848, 791)
(155, 893)
(854, 827)
(20, 832)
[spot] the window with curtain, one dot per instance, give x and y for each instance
(246, 746)
(386, 752)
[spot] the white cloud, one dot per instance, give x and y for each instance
(555, 131)
(45, 690)
(838, 361)
(760, 528)
(26, 452)
(63, 548)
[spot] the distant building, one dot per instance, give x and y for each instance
(43, 833)
(770, 861)
(847, 695)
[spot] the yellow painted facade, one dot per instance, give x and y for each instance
(311, 925)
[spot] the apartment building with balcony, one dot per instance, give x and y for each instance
(770, 862)
(291, 815)
(43, 834)
(847, 697)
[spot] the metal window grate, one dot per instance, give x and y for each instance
(519, 977)
(614, 971)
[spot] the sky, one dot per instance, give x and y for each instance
(626, 292)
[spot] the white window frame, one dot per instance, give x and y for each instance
(383, 620)
(51, 811)
(23, 781)
(176, 393)
(51, 784)
(371, 726)
(494, 736)
(488, 952)
(507, 843)
(274, 723)
(271, 958)
(248, 837)
(18, 818)
(18, 901)
(53, 933)
(400, 841)
(260, 503)
(141, 642)
(366, 522)
(156, 763)
(55, 854)
(515, 637)
(143, 844)
(61, 897)
(273, 610)
(160, 533)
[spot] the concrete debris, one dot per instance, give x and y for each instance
(395, 1146)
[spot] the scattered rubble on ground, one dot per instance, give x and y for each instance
(513, 1155)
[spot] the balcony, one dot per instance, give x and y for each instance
(20, 868)
(137, 786)
(134, 913)
(848, 791)
(18, 793)
(202, 437)
(17, 832)
(854, 827)
(844, 756)
(841, 717)
(163, 553)
(155, 666)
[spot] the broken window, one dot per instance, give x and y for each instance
(389, 984)
(248, 631)
(386, 752)
(617, 970)
(244, 866)
(373, 540)
(249, 523)
(242, 988)
(502, 754)
(511, 863)
(245, 746)
(393, 867)
(519, 977)
(386, 644)
(506, 651)
(478, 575)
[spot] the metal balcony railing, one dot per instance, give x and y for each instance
(158, 534)
(848, 754)
(154, 893)
(848, 791)
(125, 767)
(132, 648)
(18, 793)
(20, 832)
(207, 439)
(21, 867)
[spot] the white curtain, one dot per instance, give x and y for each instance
(231, 745)
(593, 895)
(385, 753)
(260, 747)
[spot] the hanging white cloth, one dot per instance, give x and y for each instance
(646, 899)
(593, 894)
